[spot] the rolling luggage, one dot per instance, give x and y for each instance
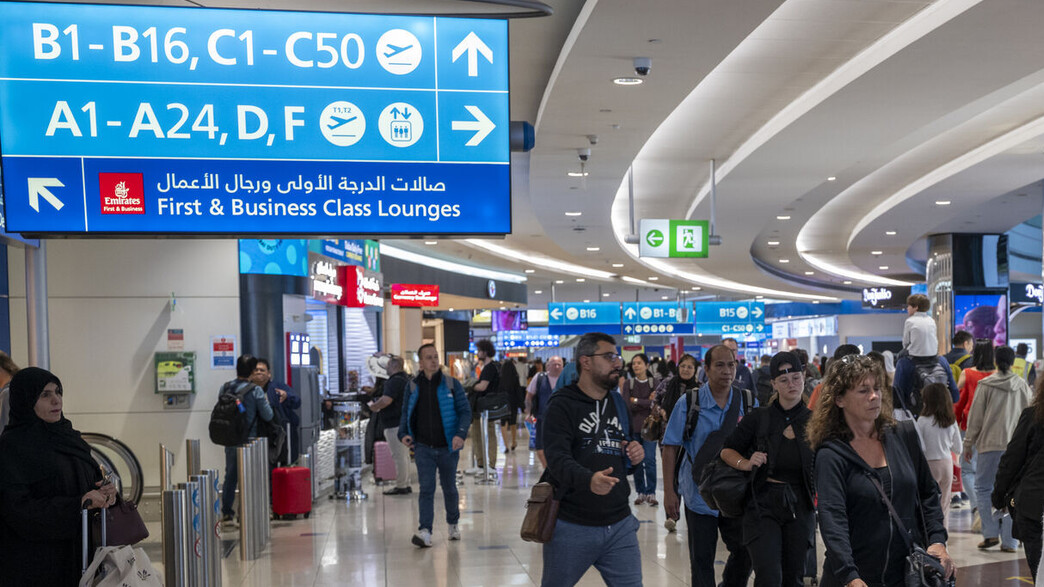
(291, 491)
(383, 462)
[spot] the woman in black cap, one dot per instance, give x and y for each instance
(47, 475)
(779, 521)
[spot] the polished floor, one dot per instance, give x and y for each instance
(367, 543)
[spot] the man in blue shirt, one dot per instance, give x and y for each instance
(255, 405)
(284, 401)
(699, 438)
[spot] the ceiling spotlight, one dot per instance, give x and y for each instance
(628, 81)
(431, 242)
(759, 297)
(942, 202)
(593, 249)
(573, 213)
(618, 265)
(889, 233)
(605, 295)
(783, 217)
(587, 301)
(530, 270)
(450, 310)
(773, 243)
(665, 297)
(654, 278)
(784, 260)
(847, 282)
(559, 281)
(876, 252)
(810, 273)
(883, 267)
(831, 178)
(815, 301)
(696, 288)
(580, 280)
(578, 174)
(538, 292)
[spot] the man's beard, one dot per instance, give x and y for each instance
(610, 379)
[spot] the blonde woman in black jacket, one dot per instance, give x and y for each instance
(859, 447)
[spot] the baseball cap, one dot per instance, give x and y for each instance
(784, 358)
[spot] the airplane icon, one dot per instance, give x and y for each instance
(339, 122)
(395, 50)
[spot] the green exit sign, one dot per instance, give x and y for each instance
(673, 238)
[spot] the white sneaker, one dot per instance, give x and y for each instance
(422, 538)
(976, 523)
(454, 532)
(670, 524)
(473, 471)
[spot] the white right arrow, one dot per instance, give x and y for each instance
(473, 45)
(757, 312)
(38, 187)
(556, 313)
(482, 125)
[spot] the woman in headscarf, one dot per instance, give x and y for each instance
(47, 475)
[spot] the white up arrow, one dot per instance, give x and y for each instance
(38, 187)
(482, 125)
(472, 45)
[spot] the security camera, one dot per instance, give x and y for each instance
(593, 139)
(642, 65)
(583, 154)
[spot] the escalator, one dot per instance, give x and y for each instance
(117, 459)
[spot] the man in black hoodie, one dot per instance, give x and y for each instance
(586, 442)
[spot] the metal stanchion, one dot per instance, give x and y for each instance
(265, 483)
(194, 532)
(206, 524)
(192, 458)
(175, 559)
(484, 425)
(244, 461)
(213, 497)
(166, 467)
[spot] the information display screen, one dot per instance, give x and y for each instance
(138, 120)
(983, 315)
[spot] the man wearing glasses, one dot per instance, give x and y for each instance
(586, 442)
(698, 435)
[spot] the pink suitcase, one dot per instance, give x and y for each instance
(383, 463)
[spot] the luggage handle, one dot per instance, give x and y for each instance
(85, 532)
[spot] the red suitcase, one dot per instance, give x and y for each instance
(291, 491)
(383, 462)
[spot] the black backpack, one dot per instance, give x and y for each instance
(228, 420)
(927, 371)
(763, 384)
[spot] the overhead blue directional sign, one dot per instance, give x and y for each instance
(730, 318)
(142, 120)
(654, 318)
(578, 318)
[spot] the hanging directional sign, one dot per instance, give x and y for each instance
(673, 238)
(730, 318)
(655, 318)
(578, 318)
(146, 120)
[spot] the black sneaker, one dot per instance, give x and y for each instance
(398, 491)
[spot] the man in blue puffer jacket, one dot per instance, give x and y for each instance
(435, 421)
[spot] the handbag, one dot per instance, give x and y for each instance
(725, 489)
(922, 569)
(123, 525)
(652, 428)
(496, 403)
(121, 566)
(541, 513)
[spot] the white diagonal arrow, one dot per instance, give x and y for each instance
(472, 45)
(38, 187)
(482, 125)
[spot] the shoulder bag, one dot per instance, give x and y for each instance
(726, 488)
(541, 513)
(123, 525)
(922, 569)
(495, 401)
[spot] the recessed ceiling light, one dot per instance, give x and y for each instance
(942, 202)
(847, 282)
(773, 243)
(784, 260)
(697, 288)
(431, 242)
(665, 297)
(577, 174)
(539, 291)
(587, 301)
(783, 217)
(605, 295)
(618, 264)
(530, 270)
(559, 281)
(810, 273)
(759, 297)
(628, 81)
(593, 249)
(573, 213)
(876, 252)
(815, 301)
(580, 280)
(889, 233)
(654, 278)
(883, 267)
(831, 178)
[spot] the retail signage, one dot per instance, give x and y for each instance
(730, 318)
(414, 295)
(163, 120)
(656, 318)
(223, 352)
(1026, 293)
(885, 298)
(365, 253)
(362, 288)
(324, 277)
(578, 318)
(805, 327)
(673, 238)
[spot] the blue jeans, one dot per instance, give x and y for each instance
(985, 475)
(645, 471)
(968, 478)
(429, 460)
(228, 490)
(613, 550)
